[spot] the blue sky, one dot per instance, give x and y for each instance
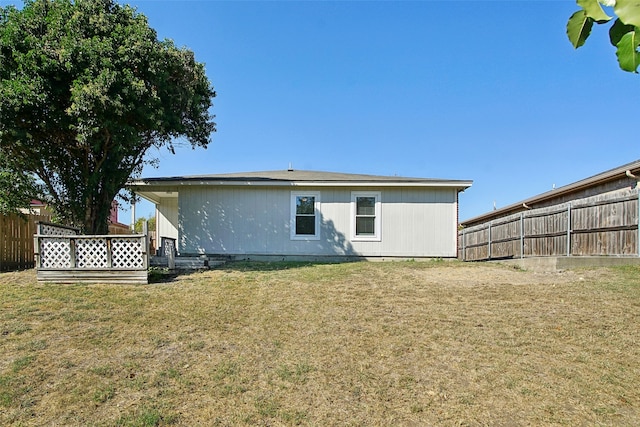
(490, 91)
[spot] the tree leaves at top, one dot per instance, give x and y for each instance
(86, 89)
(628, 11)
(627, 52)
(593, 10)
(579, 28)
(624, 33)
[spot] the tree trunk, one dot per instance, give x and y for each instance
(97, 215)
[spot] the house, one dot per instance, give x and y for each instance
(596, 216)
(37, 207)
(296, 214)
(115, 226)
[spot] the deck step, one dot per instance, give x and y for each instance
(191, 263)
(213, 263)
(187, 262)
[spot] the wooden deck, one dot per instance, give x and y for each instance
(79, 275)
(63, 256)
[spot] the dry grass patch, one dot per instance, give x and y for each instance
(341, 344)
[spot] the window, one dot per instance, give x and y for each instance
(365, 208)
(305, 216)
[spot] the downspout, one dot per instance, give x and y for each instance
(632, 176)
(458, 226)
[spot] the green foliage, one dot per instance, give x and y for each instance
(593, 10)
(17, 188)
(627, 51)
(628, 11)
(151, 224)
(623, 34)
(579, 28)
(86, 89)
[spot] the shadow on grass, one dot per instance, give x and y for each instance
(164, 275)
(271, 265)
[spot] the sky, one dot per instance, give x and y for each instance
(488, 91)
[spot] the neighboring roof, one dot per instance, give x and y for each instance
(611, 175)
(146, 186)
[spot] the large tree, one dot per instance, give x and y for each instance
(17, 189)
(624, 34)
(86, 89)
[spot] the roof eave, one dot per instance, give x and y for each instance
(158, 183)
(611, 175)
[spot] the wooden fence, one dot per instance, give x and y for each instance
(118, 228)
(63, 256)
(16, 241)
(605, 225)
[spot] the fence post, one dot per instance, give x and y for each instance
(109, 252)
(36, 252)
(145, 242)
(464, 245)
(145, 253)
(72, 250)
(489, 249)
(569, 229)
(171, 260)
(521, 234)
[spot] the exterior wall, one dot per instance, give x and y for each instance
(611, 187)
(415, 222)
(167, 218)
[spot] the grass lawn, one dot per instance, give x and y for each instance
(380, 344)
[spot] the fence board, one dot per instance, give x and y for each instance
(16, 241)
(598, 225)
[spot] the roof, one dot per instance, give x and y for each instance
(301, 176)
(279, 178)
(611, 175)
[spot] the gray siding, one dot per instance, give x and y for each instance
(416, 222)
(167, 218)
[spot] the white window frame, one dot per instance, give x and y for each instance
(377, 235)
(316, 205)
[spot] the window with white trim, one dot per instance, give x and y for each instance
(305, 215)
(365, 214)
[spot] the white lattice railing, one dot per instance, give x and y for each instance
(50, 229)
(109, 252)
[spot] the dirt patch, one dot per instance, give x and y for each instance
(492, 273)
